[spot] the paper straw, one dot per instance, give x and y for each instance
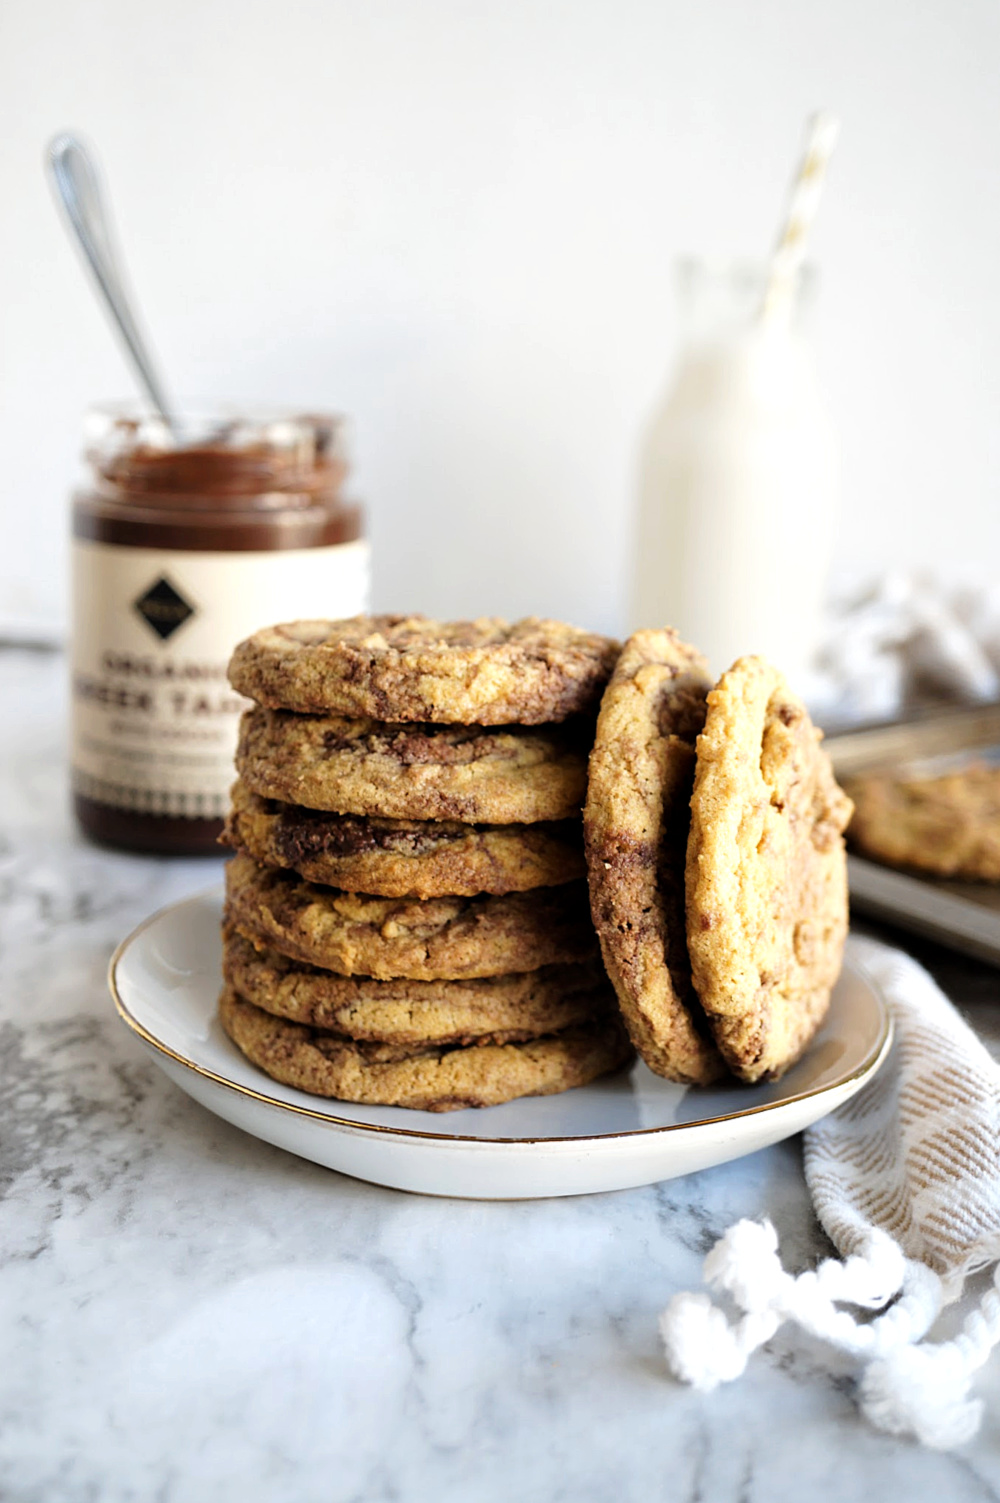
(807, 190)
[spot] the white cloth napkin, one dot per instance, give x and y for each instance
(905, 1180)
(900, 637)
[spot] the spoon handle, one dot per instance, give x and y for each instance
(74, 176)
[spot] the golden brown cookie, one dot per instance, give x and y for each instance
(635, 830)
(766, 872)
(947, 824)
(398, 858)
(431, 940)
(498, 775)
(414, 1015)
(395, 668)
(442, 1080)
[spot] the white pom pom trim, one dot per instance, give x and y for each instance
(906, 1388)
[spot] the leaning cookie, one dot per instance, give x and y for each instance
(414, 1015)
(766, 872)
(495, 775)
(394, 668)
(635, 832)
(441, 1080)
(397, 858)
(425, 940)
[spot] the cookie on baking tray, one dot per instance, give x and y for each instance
(766, 872)
(408, 668)
(426, 940)
(946, 823)
(411, 1015)
(434, 1080)
(483, 775)
(635, 831)
(397, 858)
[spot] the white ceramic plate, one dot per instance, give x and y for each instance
(628, 1129)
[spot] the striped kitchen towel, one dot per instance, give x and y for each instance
(905, 1180)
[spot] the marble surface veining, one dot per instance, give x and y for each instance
(190, 1314)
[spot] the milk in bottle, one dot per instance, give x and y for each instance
(739, 480)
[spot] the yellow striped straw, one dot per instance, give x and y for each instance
(807, 190)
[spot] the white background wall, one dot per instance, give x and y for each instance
(455, 220)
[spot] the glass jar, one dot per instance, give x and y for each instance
(181, 548)
(739, 479)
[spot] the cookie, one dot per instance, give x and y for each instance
(766, 872)
(635, 832)
(395, 668)
(499, 776)
(442, 1080)
(948, 824)
(397, 858)
(430, 940)
(413, 1015)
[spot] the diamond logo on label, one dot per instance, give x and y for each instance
(163, 608)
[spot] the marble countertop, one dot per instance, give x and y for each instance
(190, 1314)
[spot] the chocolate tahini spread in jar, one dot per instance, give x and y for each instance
(181, 548)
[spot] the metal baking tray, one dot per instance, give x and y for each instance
(964, 915)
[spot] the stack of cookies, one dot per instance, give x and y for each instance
(407, 913)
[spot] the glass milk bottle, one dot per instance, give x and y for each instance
(739, 480)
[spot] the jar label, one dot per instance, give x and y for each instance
(154, 719)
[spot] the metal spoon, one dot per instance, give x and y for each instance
(75, 178)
